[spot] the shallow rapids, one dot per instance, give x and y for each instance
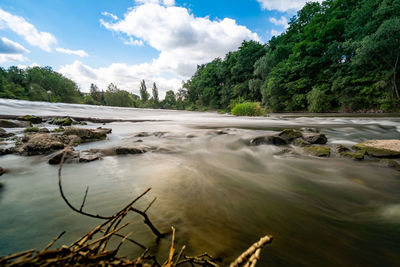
(219, 193)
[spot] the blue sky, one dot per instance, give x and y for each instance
(125, 41)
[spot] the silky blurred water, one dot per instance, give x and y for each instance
(220, 194)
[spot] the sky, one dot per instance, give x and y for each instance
(126, 41)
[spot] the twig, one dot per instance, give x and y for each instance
(54, 240)
(84, 198)
(151, 203)
(256, 247)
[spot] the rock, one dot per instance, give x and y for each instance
(390, 163)
(58, 130)
(268, 140)
(44, 130)
(1, 171)
(380, 148)
(71, 139)
(286, 152)
(65, 121)
(300, 142)
(315, 138)
(30, 118)
(6, 151)
(56, 158)
(39, 143)
(88, 156)
(147, 134)
(107, 130)
(136, 149)
(290, 134)
(310, 130)
(353, 155)
(339, 149)
(217, 132)
(32, 130)
(4, 134)
(14, 124)
(318, 151)
(87, 135)
(79, 123)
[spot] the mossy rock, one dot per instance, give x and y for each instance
(318, 151)
(30, 118)
(58, 130)
(300, 142)
(4, 134)
(359, 155)
(14, 124)
(66, 121)
(290, 134)
(380, 148)
(32, 130)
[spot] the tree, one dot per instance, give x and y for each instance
(156, 101)
(144, 95)
(169, 101)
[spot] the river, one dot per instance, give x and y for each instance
(220, 194)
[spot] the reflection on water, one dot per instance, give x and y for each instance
(220, 194)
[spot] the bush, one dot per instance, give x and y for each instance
(318, 101)
(248, 109)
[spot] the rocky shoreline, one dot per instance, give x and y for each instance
(68, 132)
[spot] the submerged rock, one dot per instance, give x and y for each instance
(339, 149)
(315, 138)
(353, 155)
(4, 134)
(1, 171)
(14, 124)
(217, 132)
(290, 134)
(32, 130)
(5, 151)
(88, 135)
(147, 134)
(380, 148)
(44, 130)
(132, 149)
(390, 163)
(70, 154)
(39, 143)
(318, 151)
(30, 118)
(300, 142)
(269, 140)
(88, 156)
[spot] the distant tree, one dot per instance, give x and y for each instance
(144, 95)
(155, 95)
(118, 98)
(169, 101)
(95, 93)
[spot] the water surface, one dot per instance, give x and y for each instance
(220, 194)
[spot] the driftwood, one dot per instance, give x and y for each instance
(91, 249)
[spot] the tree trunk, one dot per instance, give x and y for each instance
(394, 76)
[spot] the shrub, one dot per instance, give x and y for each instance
(248, 109)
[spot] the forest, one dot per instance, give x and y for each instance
(338, 56)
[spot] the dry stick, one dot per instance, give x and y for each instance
(251, 250)
(16, 255)
(171, 250)
(253, 259)
(54, 240)
(122, 241)
(66, 200)
(84, 198)
(129, 239)
(179, 255)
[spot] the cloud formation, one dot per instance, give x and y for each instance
(283, 21)
(20, 26)
(11, 51)
(183, 41)
(284, 5)
(79, 53)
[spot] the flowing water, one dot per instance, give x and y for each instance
(220, 194)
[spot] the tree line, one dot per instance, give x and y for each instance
(341, 55)
(44, 84)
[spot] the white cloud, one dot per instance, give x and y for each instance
(133, 42)
(114, 17)
(9, 47)
(284, 5)
(12, 58)
(283, 21)
(79, 53)
(159, 2)
(26, 66)
(184, 41)
(127, 77)
(20, 26)
(275, 32)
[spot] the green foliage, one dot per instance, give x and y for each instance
(117, 98)
(144, 95)
(317, 101)
(248, 109)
